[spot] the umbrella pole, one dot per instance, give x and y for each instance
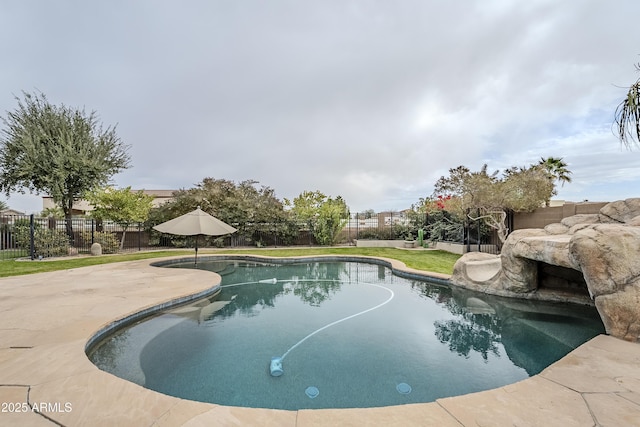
(196, 261)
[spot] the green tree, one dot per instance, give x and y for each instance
(57, 150)
(557, 170)
(369, 213)
(627, 116)
(519, 189)
(246, 205)
(54, 212)
(324, 215)
(121, 206)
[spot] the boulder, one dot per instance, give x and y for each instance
(556, 228)
(604, 247)
(620, 313)
(521, 274)
(621, 211)
(477, 271)
(96, 249)
(581, 219)
(608, 256)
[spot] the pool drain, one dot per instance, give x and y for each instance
(312, 392)
(403, 388)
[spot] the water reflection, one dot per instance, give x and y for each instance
(454, 340)
(313, 283)
(534, 334)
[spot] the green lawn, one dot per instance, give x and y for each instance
(435, 261)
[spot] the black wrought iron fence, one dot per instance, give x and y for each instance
(479, 237)
(439, 226)
(38, 237)
(406, 225)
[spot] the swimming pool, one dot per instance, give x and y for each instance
(352, 335)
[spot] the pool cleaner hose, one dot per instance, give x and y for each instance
(275, 367)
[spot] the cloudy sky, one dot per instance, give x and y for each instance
(370, 100)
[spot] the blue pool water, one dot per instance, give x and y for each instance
(348, 335)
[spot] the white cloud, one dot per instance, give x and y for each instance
(372, 101)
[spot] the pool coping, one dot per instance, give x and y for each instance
(47, 321)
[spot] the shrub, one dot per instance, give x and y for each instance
(107, 240)
(46, 242)
(375, 234)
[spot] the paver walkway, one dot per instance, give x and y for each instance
(46, 379)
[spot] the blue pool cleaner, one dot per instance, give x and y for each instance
(276, 362)
(276, 367)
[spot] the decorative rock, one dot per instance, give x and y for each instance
(556, 229)
(605, 248)
(607, 255)
(570, 221)
(96, 249)
(621, 211)
(478, 266)
(620, 313)
(578, 227)
(521, 273)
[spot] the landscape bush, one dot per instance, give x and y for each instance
(47, 242)
(107, 240)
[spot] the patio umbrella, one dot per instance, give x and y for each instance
(195, 223)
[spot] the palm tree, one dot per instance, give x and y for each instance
(557, 168)
(628, 116)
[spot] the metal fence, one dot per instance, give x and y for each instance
(399, 225)
(28, 236)
(38, 237)
(439, 226)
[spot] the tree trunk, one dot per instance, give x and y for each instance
(124, 232)
(68, 209)
(497, 224)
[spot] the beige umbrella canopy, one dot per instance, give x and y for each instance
(195, 223)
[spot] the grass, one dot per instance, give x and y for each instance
(434, 261)
(18, 268)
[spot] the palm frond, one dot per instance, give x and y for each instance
(627, 117)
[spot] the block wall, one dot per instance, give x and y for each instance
(544, 216)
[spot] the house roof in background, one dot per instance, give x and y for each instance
(8, 212)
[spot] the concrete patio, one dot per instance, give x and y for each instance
(46, 379)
